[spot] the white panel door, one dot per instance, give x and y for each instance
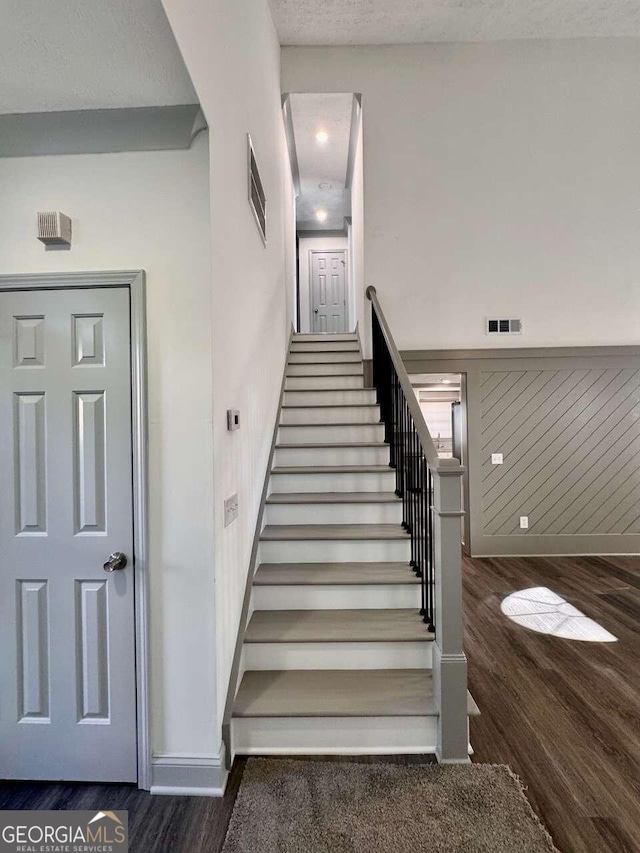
(328, 293)
(67, 661)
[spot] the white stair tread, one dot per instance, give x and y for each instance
(328, 390)
(339, 693)
(333, 444)
(309, 389)
(315, 375)
(331, 497)
(336, 693)
(274, 532)
(318, 574)
(336, 626)
(339, 336)
(333, 424)
(331, 406)
(332, 469)
(329, 346)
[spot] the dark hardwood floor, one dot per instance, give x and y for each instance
(156, 824)
(565, 715)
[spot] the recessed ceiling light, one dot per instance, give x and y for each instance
(321, 215)
(322, 136)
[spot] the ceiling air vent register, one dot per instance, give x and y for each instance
(504, 326)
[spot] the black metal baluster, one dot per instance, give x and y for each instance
(414, 500)
(431, 590)
(420, 515)
(403, 482)
(413, 476)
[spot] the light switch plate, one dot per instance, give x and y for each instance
(230, 510)
(496, 459)
(233, 419)
(524, 522)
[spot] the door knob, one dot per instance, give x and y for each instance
(116, 561)
(315, 310)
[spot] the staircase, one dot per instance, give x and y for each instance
(336, 657)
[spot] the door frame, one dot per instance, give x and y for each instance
(347, 283)
(134, 281)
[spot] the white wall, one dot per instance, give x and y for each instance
(500, 178)
(321, 243)
(232, 53)
(150, 211)
(438, 418)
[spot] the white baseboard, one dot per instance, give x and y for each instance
(189, 775)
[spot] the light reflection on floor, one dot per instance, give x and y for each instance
(541, 610)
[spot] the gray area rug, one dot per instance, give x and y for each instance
(287, 806)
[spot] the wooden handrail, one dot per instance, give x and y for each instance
(422, 429)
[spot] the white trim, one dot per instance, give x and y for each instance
(189, 775)
(134, 280)
(347, 283)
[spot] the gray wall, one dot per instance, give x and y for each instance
(568, 424)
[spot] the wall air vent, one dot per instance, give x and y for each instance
(54, 228)
(257, 199)
(503, 326)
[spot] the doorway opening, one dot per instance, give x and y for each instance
(442, 399)
(324, 135)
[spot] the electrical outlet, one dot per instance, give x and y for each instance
(230, 510)
(524, 522)
(496, 459)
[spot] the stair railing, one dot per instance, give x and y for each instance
(430, 488)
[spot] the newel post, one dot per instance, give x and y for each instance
(449, 660)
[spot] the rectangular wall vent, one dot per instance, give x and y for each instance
(504, 326)
(257, 198)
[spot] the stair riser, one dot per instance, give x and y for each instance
(356, 482)
(332, 455)
(294, 383)
(336, 597)
(334, 735)
(326, 339)
(330, 398)
(325, 346)
(385, 655)
(334, 513)
(326, 370)
(335, 551)
(324, 357)
(331, 434)
(331, 415)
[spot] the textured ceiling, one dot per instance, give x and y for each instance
(89, 54)
(322, 163)
(416, 21)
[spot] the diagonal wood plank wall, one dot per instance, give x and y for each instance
(571, 445)
(567, 421)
